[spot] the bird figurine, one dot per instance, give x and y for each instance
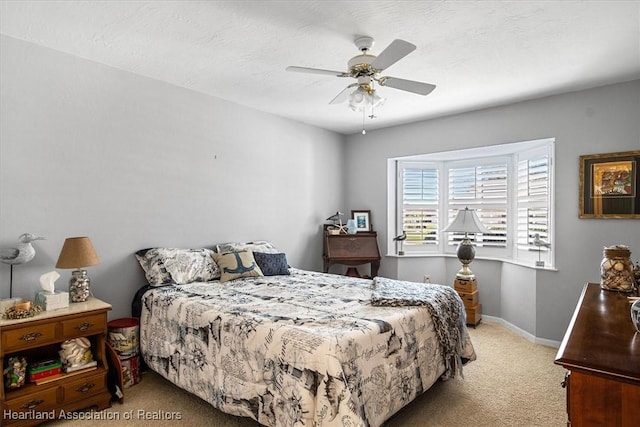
(20, 255)
(401, 238)
(23, 253)
(537, 241)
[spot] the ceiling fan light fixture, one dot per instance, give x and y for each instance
(363, 98)
(358, 99)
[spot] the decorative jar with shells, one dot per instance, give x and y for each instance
(616, 269)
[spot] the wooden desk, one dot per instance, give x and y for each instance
(351, 249)
(601, 350)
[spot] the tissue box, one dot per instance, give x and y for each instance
(52, 301)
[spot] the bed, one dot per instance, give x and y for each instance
(290, 347)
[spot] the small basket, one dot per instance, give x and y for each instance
(123, 336)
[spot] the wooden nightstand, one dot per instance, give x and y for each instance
(39, 338)
(351, 249)
(468, 291)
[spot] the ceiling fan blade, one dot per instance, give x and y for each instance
(342, 96)
(317, 71)
(407, 85)
(397, 50)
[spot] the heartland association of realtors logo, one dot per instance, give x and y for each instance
(132, 414)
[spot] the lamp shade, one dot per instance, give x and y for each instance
(466, 221)
(77, 252)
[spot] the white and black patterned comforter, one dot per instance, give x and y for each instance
(307, 349)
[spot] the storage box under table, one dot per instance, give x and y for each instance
(130, 371)
(123, 336)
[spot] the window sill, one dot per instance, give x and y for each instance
(503, 260)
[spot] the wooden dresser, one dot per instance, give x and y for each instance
(351, 249)
(39, 338)
(601, 351)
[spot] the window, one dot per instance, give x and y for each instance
(509, 186)
(420, 203)
(484, 189)
(533, 203)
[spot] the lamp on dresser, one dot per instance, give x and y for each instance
(467, 222)
(76, 253)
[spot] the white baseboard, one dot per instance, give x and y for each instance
(519, 331)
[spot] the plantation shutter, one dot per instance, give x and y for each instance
(419, 205)
(484, 189)
(533, 201)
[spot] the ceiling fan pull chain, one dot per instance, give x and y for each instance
(364, 113)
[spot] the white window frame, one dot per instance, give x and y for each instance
(512, 153)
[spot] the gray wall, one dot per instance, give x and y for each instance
(86, 149)
(540, 302)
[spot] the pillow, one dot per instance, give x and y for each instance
(163, 266)
(151, 262)
(272, 264)
(237, 264)
(257, 246)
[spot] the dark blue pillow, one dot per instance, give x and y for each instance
(272, 264)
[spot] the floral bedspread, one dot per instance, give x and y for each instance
(307, 349)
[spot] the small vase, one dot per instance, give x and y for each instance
(635, 314)
(351, 226)
(79, 286)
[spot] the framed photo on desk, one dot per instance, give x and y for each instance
(363, 220)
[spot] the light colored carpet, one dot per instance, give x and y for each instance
(513, 383)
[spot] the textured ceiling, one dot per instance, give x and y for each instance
(477, 53)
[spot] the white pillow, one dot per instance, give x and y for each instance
(164, 266)
(257, 246)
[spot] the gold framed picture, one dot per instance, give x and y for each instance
(609, 185)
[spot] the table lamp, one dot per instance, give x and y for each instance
(78, 252)
(466, 222)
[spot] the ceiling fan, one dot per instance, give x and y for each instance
(366, 69)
